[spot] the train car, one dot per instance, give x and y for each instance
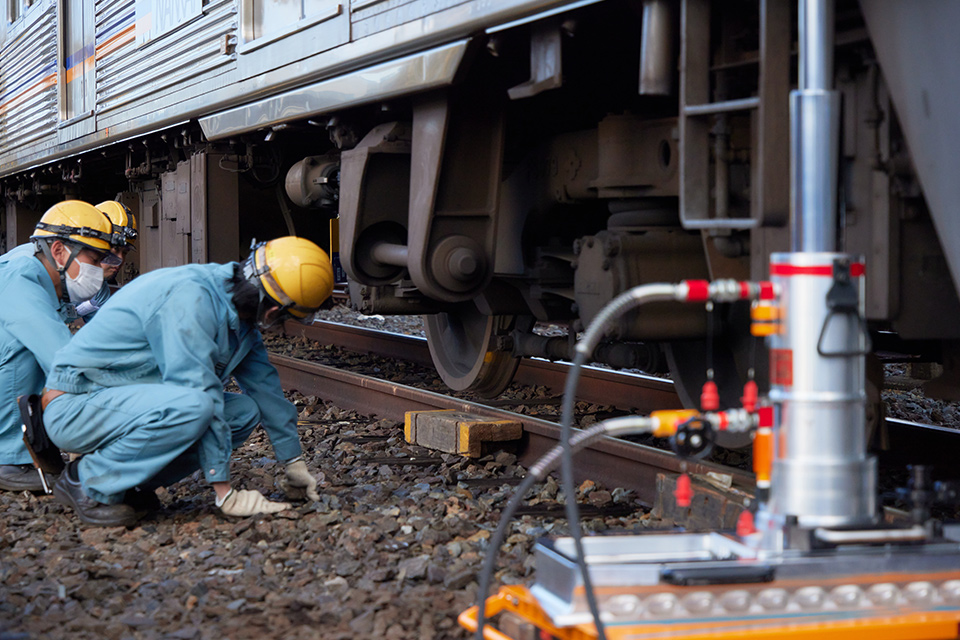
(498, 164)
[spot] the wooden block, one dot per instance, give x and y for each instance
(456, 431)
(473, 433)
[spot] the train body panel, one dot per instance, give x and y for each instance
(914, 45)
(496, 163)
(198, 59)
(28, 98)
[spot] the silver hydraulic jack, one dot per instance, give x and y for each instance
(815, 561)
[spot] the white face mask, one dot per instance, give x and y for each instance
(86, 284)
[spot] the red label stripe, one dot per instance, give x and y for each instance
(856, 270)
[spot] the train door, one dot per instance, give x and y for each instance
(76, 69)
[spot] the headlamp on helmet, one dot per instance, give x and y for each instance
(124, 224)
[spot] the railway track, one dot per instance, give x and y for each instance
(617, 463)
(648, 471)
(598, 386)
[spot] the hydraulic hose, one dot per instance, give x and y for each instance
(626, 301)
(537, 472)
(686, 291)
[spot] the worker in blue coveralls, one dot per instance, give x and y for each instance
(139, 391)
(40, 283)
(125, 230)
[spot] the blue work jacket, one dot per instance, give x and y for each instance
(31, 313)
(179, 326)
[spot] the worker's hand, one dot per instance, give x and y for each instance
(298, 483)
(249, 503)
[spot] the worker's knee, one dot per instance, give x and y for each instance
(195, 411)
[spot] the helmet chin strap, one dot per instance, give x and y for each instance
(44, 246)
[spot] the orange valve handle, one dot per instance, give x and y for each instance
(765, 318)
(669, 419)
(763, 456)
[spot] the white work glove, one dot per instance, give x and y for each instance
(248, 503)
(298, 483)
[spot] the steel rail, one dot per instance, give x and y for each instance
(905, 441)
(616, 463)
(609, 462)
(915, 443)
(598, 386)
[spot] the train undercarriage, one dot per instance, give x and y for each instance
(572, 156)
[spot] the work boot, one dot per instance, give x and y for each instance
(143, 501)
(22, 477)
(68, 492)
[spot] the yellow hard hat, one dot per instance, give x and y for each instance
(77, 222)
(295, 272)
(124, 223)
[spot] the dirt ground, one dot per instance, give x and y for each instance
(391, 550)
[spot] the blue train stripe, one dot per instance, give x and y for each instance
(78, 57)
(109, 30)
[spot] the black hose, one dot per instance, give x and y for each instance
(570, 489)
(615, 308)
(538, 471)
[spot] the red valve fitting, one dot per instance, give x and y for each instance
(697, 290)
(745, 525)
(709, 396)
(683, 493)
(750, 396)
(767, 292)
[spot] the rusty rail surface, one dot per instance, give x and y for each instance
(616, 463)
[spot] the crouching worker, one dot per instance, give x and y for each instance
(140, 389)
(40, 283)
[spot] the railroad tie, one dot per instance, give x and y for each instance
(457, 431)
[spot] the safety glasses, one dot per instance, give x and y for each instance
(111, 260)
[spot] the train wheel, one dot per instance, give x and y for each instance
(464, 350)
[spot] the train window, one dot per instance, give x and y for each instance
(268, 20)
(157, 18)
(16, 8)
(76, 80)
(274, 33)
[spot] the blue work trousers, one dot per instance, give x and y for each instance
(141, 434)
(20, 374)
